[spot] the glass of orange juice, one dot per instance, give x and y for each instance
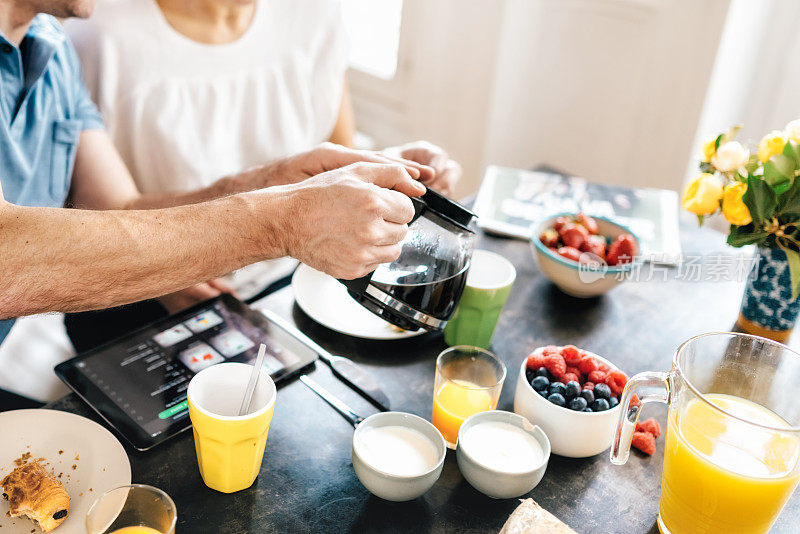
(732, 451)
(468, 381)
(133, 509)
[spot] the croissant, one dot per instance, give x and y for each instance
(32, 492)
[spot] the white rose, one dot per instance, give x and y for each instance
(793, 131)
(730, 156)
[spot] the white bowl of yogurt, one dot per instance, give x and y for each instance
(397, 456)
(501, 454)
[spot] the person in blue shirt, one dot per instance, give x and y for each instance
(341, 211)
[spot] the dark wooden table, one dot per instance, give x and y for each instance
(307, 483)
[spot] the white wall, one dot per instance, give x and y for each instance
(610, 89)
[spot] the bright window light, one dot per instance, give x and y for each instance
(374, 30)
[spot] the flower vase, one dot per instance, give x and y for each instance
(768, 309)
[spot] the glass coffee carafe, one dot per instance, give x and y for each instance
(732, 447)
(422, 287)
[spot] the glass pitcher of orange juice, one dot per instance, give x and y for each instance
(733, 435)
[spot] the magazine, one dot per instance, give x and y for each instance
(511, 200)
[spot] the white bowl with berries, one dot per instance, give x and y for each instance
(584, 256)
(573, 395)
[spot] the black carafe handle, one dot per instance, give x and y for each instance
(359, 285)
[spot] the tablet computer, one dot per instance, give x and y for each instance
(138, 382)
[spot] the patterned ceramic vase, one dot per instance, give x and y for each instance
(767, 307)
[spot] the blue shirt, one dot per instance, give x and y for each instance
(44, 106)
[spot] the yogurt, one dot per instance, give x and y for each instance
(502, 447)
(397, 450)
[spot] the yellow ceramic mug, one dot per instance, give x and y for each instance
(229, 447)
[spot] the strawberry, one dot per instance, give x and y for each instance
(588, 223)
(645, 442)
(559, 223)
(573, 235)
(570, 253)
(621, 251)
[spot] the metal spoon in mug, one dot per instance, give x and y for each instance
(254, 376)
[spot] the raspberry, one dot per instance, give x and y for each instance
(571, 354)
(588, 385)
(635, 402)
(535, 360)
(597, 377)
(587, 365)
(650, 426)
(573, 370)
(571, 376)
(555, 364)
(645, 442)
(550, 349)
(616, 380)
(601, 366)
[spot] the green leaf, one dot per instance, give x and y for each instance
(745, 235)
(706, 167)
(792, 150)
(718, 141)
(794, 270)
(779, 171)
(752, 164)
(760, 200)
(700, 220)
(789, 201)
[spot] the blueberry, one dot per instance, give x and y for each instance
(588, 394)
(557, 387)
(540, 383)
(530, 374)
(588, 410)
(557, 399)
(573, 389)
(613, 401)
(600, 405)
(602, 391)
(578, 404)
(542, 392)
(542, 371)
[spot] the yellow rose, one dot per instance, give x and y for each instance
(792, 131)
(702, 195)
(733, 208)
(770, 144)
(708, 148)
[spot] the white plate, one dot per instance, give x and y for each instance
(101, 463)
(325, 300)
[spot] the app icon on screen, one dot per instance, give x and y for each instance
(199, 356)
(173, 335)
(231, 342)
(203, 321)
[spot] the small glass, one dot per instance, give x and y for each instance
(133, 509)
(468, 381)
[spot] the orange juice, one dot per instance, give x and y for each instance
(137, 530)
(722, 475)
(455, 401)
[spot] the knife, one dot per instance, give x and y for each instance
(343, 368)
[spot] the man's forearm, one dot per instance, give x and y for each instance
(72, 260)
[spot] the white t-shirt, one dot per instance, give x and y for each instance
(183, 114)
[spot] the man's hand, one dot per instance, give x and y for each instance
(348, 221)
(323, 158)
(447, 171)
(180, 300)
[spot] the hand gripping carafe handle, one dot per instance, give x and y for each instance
(359, 285)
(646, 387)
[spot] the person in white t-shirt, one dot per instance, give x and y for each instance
(193, 90)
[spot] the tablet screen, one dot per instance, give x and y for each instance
(145, 375)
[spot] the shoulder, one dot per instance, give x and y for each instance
(112, 20)
(48, 28)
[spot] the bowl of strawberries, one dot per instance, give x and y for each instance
(573, 395)
(584, 256)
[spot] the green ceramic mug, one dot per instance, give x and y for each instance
(489, 283)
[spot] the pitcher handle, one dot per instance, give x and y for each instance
(649, 387)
